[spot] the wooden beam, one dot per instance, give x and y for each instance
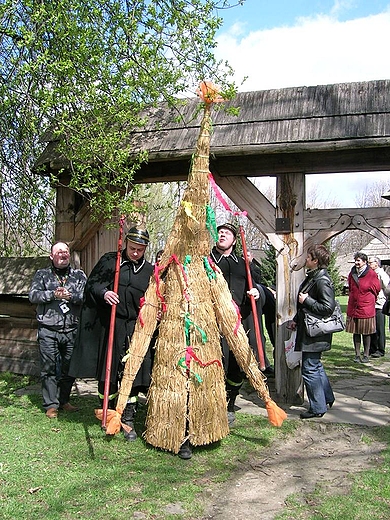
(290, 197)
(261, 212)
(65, 209)
(85, 228)
(315, 219)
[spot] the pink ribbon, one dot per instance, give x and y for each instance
(218, 194)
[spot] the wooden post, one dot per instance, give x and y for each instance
(65, 211)
(290, 197)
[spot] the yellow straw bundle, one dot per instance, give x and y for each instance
(187, 397)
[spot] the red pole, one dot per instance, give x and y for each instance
(112, 327)
(253, 301)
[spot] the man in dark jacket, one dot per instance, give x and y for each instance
(234, 271)
(89, 357)
(58, 292)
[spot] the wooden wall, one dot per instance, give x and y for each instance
(18, 337)
(18, 325)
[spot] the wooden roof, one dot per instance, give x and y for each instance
(325, 128)
(378, 249)
(16, 274)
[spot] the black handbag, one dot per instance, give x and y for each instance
(318, 325)
(386, 307)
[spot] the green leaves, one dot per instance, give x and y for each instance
(85, 69)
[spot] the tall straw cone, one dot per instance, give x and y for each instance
(188, 401)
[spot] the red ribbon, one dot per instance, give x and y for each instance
(141, 304)
(238, 322)
(190, 354)
(158, 268)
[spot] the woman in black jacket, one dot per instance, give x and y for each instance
(316, 295)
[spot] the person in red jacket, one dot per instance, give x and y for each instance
(364, 287)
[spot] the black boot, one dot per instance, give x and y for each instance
(128, 419)
(231, 414)
(185, 451)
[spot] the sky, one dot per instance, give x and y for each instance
(292, 43)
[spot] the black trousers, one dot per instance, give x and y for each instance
(55, 350)
(378, 339)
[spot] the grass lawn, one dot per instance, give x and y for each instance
(66, 468)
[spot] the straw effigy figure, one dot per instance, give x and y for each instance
(187, 396)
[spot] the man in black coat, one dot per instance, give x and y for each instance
(234, 271)
(89, 356)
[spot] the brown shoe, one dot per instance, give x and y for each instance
(69, 407)
(51, 413)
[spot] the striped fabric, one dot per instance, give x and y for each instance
(363, 326)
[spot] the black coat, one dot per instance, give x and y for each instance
(234, 271)
(321, 302)
(89, 355)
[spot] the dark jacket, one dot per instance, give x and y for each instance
(234, 271)
(49, 313)
(321, 302)
(89, 354)
(363, 291)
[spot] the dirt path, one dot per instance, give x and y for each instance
(318, 452)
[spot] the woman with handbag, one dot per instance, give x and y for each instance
(315, 296)
(364, 287)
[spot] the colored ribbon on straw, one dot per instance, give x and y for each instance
(238, 322)
(187, 261)
(191, 355)
(209, 270)
(188, 323)
(182, 364)
(220, 198)
(188, 210)
(159, 268)
(141, 304)
(185, 363)
(211, 224)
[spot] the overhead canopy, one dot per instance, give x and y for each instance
(325, 128)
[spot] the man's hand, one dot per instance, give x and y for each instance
(254, 292)
(61, 293)
(111, 298)
(302, 297)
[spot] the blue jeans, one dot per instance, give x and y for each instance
(318, 389)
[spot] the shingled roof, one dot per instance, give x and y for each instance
(16, 274)
(300, 123)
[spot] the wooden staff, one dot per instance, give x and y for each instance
(112, 327)
(253, 301)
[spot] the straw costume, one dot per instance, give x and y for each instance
(187, 396)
